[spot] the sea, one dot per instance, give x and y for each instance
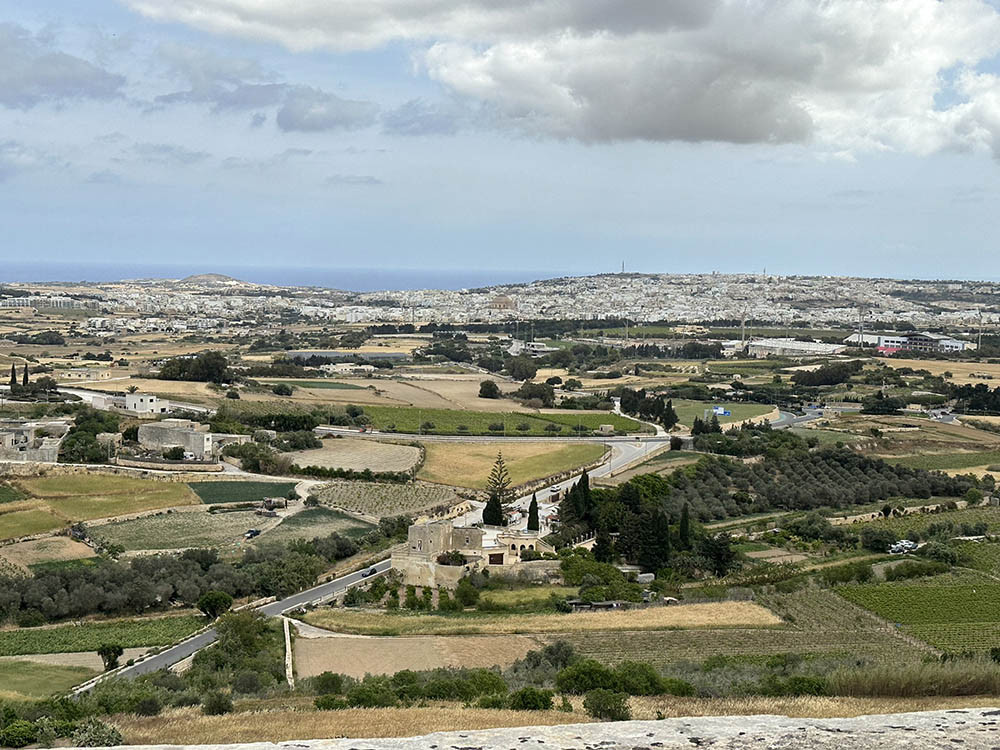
(348, 279)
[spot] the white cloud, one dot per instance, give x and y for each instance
(849, 75)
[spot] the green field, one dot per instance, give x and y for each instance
(449, 422)
(26, 522)
(81, 497)
(9, 494)
(919, 521)
(825, 437)
(61, 565)
(178, 530)
(321, 384)
(688, 410)
(214, 493)
(944, 461)
(385, 499)
(950, 617)
(159, 631)
(316, 522)
(29, 680)
(469, 464)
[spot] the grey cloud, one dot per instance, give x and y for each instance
(420, 117)
(15, 158)
(353, 179)
(32, 72)
(166, 153)
(257, 119)
(313, 110)
(843, 75)
(261, 165)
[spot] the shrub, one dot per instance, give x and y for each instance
(281, 389)
(328, 683)
(247, 683)
(497, 701)
(18, 734)
(372, 694)
(584, 676)
(940, 552)
(915, 569)
(149, 706)
(330, 703)
(174, 454)
(607, 705)
(531, 699)
(638, 678)
(216, 704)
(675, 686)
(94, 733)
(215, 603)
(856, 571)
(877, 540)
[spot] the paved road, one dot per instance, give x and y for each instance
(184, 649)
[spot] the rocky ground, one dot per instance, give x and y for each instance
(973, 728)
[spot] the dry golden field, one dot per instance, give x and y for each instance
(713, 615)
(961, 372)
(189, 726)
(52, 549)
(359, 454)
(469, 464)
(360, 655)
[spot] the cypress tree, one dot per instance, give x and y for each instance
(498, 487)
(684, 530)
(24, 378)
(583, 500)
(13, 376)
(533, 514)
(604, 549)
(654, 545)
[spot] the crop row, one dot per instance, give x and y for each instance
(386, 499)
(160, 631)
(958, 637)
(928, 604)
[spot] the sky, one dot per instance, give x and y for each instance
(547, 137)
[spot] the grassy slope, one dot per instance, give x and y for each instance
(88, 496)
(178, 530)
(468, 465)
(316, 522)
(20, 680)
(688, 410)
(942, 461)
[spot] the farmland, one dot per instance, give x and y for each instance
(723, 614)
(945, 461)
(48, 550)
(23, 680)
(321, 384)
(458, 422)
(159, 631)
(358, 455)
(469, 464)
(27, 522)
(9, 494)
(688, 410)
(216, 493)
(378, 500)
(314, 522)
(177, 530)
(87, 496)
(816, 622)
(919, 521)
(954, 617)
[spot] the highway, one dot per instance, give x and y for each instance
(184, 649)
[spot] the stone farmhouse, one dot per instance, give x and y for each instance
(193, 437)
(419, 564)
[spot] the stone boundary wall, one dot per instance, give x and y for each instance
(970, 729)
(168, 466)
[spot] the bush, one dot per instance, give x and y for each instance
(857, 571)
(915, 569)
(531, 699)
(282, 389)
(584, 676)
(940, 552)
(607, 705)
(247, 683)
(638, 678)
(174, 454)
(328, 683)
(149, 706)
(674, 686)
(497, 701)
(372, 694)
(216, 704)
(94, 733)
(18, 734)
(877, 540)
(330, 703)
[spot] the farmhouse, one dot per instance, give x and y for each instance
(194, 438)
(137, 404)
(86, 373)
(426, 542)
(31, 441)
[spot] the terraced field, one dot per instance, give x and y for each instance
(159, 631)
(386, 499)
(919, 521)
(950, 617)
(24, 680)
(469, 464)
(178, 531)
(87, 496)
(459, 422)
(315, 522)
(214, 493)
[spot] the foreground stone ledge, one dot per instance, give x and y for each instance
(958, 728)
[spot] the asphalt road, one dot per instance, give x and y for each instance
(184, 649)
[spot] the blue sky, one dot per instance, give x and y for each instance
(857, 137)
